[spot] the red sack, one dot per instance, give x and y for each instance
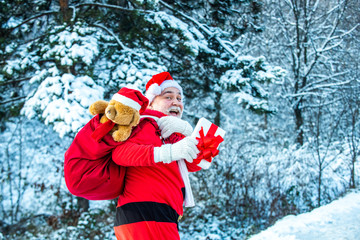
(89, 170)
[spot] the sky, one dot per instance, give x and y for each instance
(339, 220)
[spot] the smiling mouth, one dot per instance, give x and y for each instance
(174, 111)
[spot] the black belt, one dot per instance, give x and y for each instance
(145, 211)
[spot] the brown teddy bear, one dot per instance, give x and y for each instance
(120, 115)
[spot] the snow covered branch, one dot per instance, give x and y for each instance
(113, 35)
(32, 18)
(79, 6)
(312, 85)
(330, 37)
(203, 28)
(111, 7)
(12, 100)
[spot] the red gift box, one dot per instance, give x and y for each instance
(209, 136)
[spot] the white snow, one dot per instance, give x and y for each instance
(195, 40)
(63, 101)
(338, 220)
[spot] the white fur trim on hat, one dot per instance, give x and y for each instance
(126, 101)
(155, 90)
(170, 83)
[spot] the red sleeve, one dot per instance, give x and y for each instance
(133, 154)
(88, 168)
(138, 150)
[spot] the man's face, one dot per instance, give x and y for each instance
(168, 102)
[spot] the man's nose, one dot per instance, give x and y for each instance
(176, 102)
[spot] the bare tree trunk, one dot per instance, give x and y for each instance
(352, 171)
(65, 10)
(319, 185)
(83, 204)
(299, 121)
(354, 148)
(217, 119)
(318, 151)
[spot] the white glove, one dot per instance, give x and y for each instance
(170, 124)
(183, 149)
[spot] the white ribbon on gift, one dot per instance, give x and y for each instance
(189, 197)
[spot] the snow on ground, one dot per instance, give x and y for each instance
(339, 220)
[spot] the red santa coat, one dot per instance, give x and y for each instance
(152, 200)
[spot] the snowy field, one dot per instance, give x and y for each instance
(339, 220)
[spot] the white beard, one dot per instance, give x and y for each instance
(174, 108)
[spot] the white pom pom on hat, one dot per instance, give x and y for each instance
(158, 83)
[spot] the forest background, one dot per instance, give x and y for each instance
(280, 76)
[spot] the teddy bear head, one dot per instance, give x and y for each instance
(122, 114)
(119, 115)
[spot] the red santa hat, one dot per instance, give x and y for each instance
(132, 98)
(158, 83)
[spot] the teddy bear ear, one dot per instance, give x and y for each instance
(98, 107)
